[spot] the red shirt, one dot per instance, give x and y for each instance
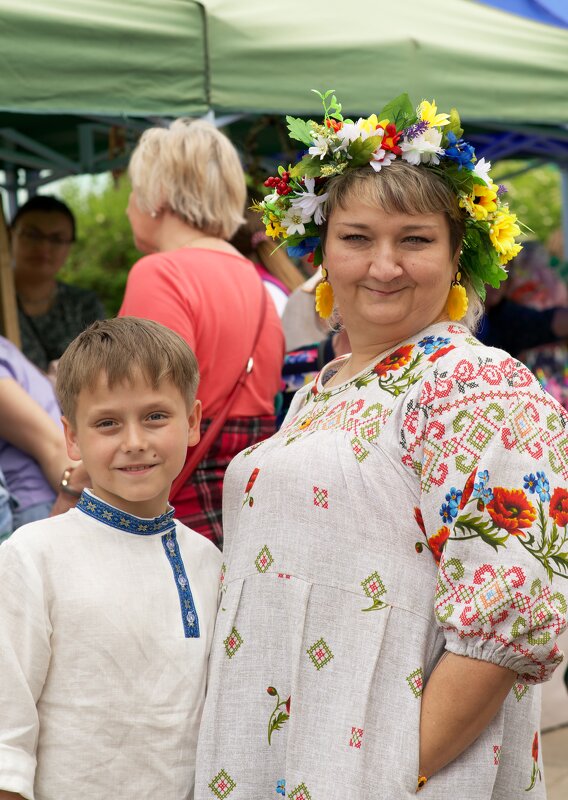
(212, 299)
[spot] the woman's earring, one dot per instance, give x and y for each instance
(324, 296)
(457, 302)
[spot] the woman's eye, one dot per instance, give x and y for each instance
(417, 240)
(352, 237)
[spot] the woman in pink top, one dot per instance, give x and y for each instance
(187, 200)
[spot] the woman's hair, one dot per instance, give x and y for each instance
(405, 189)
(46, 204)
(251, 240)
(118, 348)
(193, 170)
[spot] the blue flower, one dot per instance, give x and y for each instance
(305, 247)
(448, 512)
(530, 483)
(454, 496)
(459, 151)
(281, 787)
(542, 487)
(432, 345)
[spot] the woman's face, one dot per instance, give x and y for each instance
(40, 245)
(390, 272)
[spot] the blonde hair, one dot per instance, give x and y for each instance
(192, 169)
(118, 348)
(406, 189)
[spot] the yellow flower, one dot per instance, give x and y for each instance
(428, 112)
(503, 230)
(504, 258)
(275, 230)
(481, 201)
(369, 125)
(457, 302)
(324, 299)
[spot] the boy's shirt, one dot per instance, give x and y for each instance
(106, 623)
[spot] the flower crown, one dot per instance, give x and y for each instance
(295, 208)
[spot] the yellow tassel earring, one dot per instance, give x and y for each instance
(457, 302)
(324, 296)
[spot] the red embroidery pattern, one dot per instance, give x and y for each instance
(494, 607)
(356, 739)
(320, 497)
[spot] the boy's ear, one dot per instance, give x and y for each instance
(71, 440)
(193, 423)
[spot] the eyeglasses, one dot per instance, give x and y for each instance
(37, 237)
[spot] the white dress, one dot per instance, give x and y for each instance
(419, 507)
(106, 623)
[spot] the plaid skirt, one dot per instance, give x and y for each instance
(198, 502)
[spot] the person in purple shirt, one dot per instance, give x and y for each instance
(32, 446)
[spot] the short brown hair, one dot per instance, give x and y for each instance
(406, 189)
(192, 169)
(118, 348)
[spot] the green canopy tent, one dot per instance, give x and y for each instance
(82, 78)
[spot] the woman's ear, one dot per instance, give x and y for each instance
(71, 442)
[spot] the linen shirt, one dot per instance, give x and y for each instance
(419, 507)
(105, 627)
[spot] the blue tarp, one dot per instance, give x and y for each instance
(549, 12)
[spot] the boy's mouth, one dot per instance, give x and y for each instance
(137, 468)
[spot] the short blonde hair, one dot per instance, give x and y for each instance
(405, 189)
(118, 348)
(192, 169)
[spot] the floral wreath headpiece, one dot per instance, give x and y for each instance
(295, 208)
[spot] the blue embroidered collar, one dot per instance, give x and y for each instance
(115, 518)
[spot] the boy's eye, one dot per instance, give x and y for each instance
(104, 423)
(157, 416)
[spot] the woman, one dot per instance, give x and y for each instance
(32, 448)
(51, 313)
(188, 196)
(396, 554)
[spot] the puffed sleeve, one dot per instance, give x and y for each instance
(491, 449)
(24, 659)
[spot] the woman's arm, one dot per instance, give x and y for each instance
(27, 426)
(10, 795)
(460, 699)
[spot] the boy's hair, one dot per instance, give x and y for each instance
(118, 348)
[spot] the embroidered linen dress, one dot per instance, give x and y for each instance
(419, 507)
(106, 621)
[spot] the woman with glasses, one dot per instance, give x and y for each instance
(51, 313)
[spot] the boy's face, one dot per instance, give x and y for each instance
(133, 441)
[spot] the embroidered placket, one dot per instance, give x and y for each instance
(188, 611)
(165, 525)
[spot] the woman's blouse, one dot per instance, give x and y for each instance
(212, 300)
(417, 508)
(45, 337)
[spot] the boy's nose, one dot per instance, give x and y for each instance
(134, 439)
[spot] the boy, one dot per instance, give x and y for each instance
(107, 612)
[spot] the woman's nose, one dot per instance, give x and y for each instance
(385, 264)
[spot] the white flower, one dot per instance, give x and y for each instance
(481, 169)
(424, 148)
(321, 146)
(294, 221)
(381, 158)
(355, 130)
(309, 204)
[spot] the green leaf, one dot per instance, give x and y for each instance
(318, 256)
(308, 167)
(361, 151)
(299, 130)
(485, 530)
(400, 111)
(454, 125)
